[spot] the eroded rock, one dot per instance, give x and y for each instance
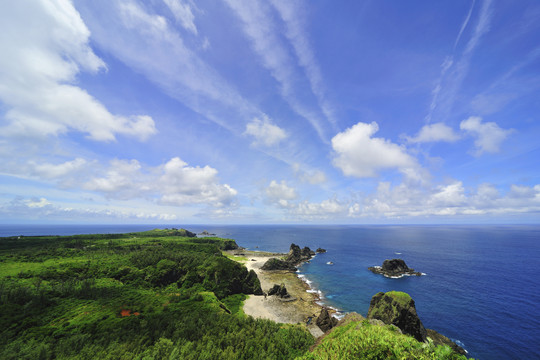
(325, 321)
(397, 308)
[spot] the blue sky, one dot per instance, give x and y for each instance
(277, 111)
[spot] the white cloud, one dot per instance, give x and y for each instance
(123, 180)
(52, 171)
(361, 155)
(182, 12)
(489, 135)
(181, 184)
(38, 67)
(264, 132)
(433, 133)
(326, 209)
(312, 176)
(44, 209)
(36, 203)
(280, 193)
(404, 201)
(449, 195)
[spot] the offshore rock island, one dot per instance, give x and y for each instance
(394, 268)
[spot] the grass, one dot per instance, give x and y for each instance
(240, 259)
(401, 297)
(361, 340)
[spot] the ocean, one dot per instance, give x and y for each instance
(481, 288)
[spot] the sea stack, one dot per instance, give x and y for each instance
(397, 308)
(394, 268)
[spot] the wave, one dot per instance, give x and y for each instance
(338, 314)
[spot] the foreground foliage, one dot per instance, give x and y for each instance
(154, 295)
(362, 340)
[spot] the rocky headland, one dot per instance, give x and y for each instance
(394, 268)
(398, 309)
(295, 256)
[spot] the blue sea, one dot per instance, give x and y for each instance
(481, 288)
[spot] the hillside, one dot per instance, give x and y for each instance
(149, 295)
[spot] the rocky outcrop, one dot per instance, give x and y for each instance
(325, 321)
(279, 290)
(294, 257)
(320, 251)
(297, 255)
(397, 308)
(277, 264)
(439, 339)
(394, 268)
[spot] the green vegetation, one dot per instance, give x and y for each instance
(399, 296)
(161, 294)
(361, 340)
(154, 295)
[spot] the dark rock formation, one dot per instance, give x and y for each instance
(326, 322)
(279, 290)
(294, 257)
(439, 339)
(277, 264)
(297, 255)
(206, 233)
(394, 268)
(320, 251)
(397, 308)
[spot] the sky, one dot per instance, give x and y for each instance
(275, 111)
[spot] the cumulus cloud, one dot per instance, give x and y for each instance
(173, 183)
(38, 70)
(280, 193)
(489, 135)
(359, 154)
(123, 180)
(265, 132)
(434, 133)
(182, 13)
(181, 184)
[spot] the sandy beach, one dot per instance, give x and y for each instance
(299, 310)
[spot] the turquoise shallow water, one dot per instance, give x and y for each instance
(481, 286)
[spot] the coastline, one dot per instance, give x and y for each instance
(303, 309)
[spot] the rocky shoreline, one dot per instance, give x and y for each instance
(300, 306)
(287, 297)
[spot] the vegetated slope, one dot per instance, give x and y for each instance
(152, 295)
(357, 338)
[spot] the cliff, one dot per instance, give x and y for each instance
(398, 308)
